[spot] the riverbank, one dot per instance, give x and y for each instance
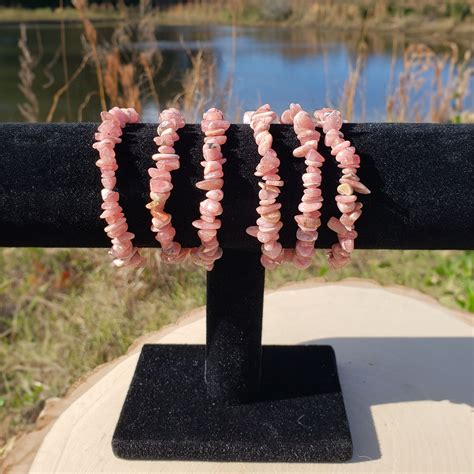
(450, 23)
(44, 15)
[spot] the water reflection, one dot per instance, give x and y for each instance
(276, 65)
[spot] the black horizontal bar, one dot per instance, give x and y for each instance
(421, 177)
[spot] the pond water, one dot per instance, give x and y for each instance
(253, 66)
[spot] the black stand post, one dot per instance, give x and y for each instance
(270, 403)
(234, 326)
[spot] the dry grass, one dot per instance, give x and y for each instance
(431, 87)
(90, 35)
(30, 108)
(121, 82)
(65, 87)
(198, 86)
(64, 59)
(64, 316)
(125, 76)
(128, 76)
(352, 84)
(410, 16)
(402, 15)
(68, 14)
(443, 95)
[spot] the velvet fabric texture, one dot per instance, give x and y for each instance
(234, 326)
(298, 416)
(420, 175)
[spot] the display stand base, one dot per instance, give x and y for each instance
(299, 415)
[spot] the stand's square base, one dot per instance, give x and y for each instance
(298, 417)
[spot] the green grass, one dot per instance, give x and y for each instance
(63, 312)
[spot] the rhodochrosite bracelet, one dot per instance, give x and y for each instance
(214, 127)
(269, 223)
(331, 122)
(107, 136)
(309, 219)
(160, 185)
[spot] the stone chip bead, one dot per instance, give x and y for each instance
(214, 127)
(166, 161)
(311, 201)
(330, 121)
(269, 223)
(108, 135)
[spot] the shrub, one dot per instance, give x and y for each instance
(275, 10)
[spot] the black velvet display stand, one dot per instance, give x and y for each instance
(276, 403)
(234, 400)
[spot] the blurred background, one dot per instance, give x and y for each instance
(65, 311)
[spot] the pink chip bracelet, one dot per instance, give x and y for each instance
(160, 185)
(214, 127)
(108, 134)
(269, 223)
(331, 121)
(309, 219)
